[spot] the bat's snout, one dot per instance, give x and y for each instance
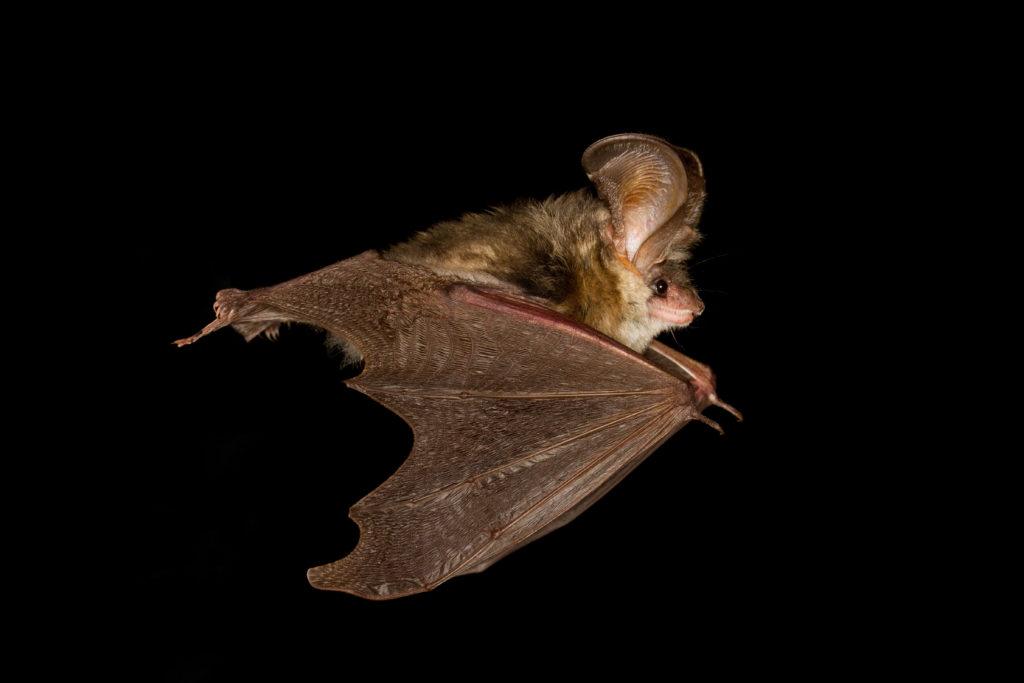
(679, 305)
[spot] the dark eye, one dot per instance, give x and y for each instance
(660, 287)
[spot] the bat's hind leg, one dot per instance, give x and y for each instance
(238, 308)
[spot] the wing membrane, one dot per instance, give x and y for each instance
(521, 417)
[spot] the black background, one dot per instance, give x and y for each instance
(233, 465)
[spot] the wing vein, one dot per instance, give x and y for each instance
(458, 394)
(436, 493)
(614, 448)
(608, 452)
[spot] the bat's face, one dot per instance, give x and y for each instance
(656, 299)
(673, 300)
(676, 305)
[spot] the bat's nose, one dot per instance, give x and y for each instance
(691, 301)
(700, 304)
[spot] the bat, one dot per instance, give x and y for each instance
(519, 346)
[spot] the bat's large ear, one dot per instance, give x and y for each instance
(655, 192)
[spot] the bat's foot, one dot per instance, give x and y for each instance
(233, 307)
(212, 327)
(225, 308)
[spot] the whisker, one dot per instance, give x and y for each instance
(709, 258)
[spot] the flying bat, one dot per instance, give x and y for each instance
(519, 346)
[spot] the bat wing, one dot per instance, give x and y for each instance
(521, 418)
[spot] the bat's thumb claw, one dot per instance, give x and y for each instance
(713, 400)
(706, 397)
(725, 406)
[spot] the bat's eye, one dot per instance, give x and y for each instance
(661, 288)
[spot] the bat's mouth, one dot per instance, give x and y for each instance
(676, 316)
(677, 305)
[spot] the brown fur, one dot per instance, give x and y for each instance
(599, 261)
(558, 249)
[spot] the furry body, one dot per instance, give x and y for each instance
(560, 250)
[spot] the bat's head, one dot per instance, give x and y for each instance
(673, 300)
(654, 193)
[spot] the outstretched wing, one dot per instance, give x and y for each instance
(521, 417)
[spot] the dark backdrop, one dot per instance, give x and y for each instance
(237, 462)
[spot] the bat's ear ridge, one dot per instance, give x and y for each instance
(650, 187)
(641, 179)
